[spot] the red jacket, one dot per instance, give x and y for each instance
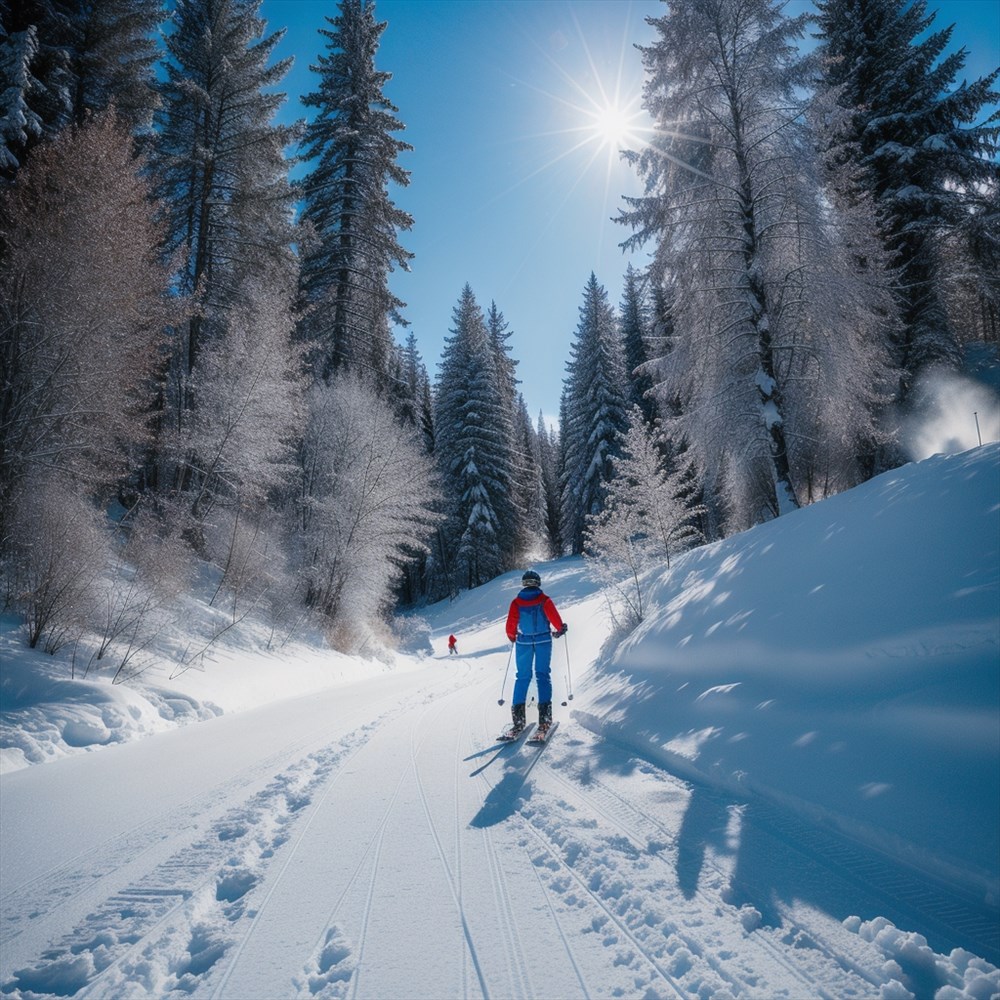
(531, 601)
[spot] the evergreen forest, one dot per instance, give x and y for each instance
(201, 365)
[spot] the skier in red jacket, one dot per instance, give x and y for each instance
(531, 623)
(452, 645)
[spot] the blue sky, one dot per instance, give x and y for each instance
(512, 184)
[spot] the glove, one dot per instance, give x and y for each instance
(561, 631)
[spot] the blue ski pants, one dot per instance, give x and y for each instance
(539, 651)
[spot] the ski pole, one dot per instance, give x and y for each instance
(507, 671)
(569, 675)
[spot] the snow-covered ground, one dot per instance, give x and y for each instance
(785, 783)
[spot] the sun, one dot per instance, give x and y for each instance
(612, 126)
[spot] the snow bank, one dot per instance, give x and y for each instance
(842, 660)
(50, 710)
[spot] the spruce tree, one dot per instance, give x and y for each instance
(635, 322)
(594, 420)
(504, 369)
(20, 124)
(472, 453)
(112, 52)
(61, 61)
(528, 484)
(925, 148)
(36, 84)
(352, 148)
(223, 178)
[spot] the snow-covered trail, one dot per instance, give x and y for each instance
(372, 841)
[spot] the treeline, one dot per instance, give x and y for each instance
(198, 356)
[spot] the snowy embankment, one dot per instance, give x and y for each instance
(843, 661)
(52, 706)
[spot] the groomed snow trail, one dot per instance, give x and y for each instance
(375, 842)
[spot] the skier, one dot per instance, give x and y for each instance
(452, 645)
(530, 624)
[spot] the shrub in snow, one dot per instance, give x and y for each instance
(134, 602)
(56, 551)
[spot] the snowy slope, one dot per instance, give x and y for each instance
(847, 656)
(782, 785)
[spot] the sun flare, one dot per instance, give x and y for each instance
(612, 126)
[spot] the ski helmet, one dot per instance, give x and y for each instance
(531, 579)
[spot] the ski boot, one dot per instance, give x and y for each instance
(544, 719)
(517, 723)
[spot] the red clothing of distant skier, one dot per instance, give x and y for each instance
(519, 602)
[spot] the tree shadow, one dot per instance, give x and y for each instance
(780, 859)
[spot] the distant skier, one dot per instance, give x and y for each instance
(452, 645)
(531, 623)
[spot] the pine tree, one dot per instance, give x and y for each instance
(61, 61)
(472, 452)
(635, 323)
(353, 151)
(20, 124)
(922, 155)
(112, 53)
(224, 180)
(528, 485)
(776, 342)
(513, 514)
(593, 421)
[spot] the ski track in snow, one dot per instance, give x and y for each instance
(391, 862)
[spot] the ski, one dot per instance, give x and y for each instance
(510, 737)
(539, 739)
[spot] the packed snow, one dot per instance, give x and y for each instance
(784, 783)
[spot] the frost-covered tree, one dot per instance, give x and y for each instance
(82, 307)
(366, 503)
(593, 418)
(224, 181)
(776, 348)
(81, 311)
(924, 146)
(648, 516)
(472, 451)
(352, 149)
(247, 382)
